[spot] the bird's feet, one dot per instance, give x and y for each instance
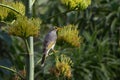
(55, 51)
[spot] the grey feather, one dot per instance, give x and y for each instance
(50, 37)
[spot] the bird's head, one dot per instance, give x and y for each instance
(56, 28)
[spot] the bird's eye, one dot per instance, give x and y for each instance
(54, 27)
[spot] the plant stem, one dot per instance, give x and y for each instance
(29, 60)
(12, 70)
(28, 8)
(30, 56)
(33, 2)
(9, 7)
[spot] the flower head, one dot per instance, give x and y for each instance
(19, 6)
(68, 35)
(62, 66)
(24, 27)
(4, 12)
(76, 4)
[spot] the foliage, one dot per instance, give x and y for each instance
(97, 57)
(95, 60)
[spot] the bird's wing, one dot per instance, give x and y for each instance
(47, 46)
(51, 43)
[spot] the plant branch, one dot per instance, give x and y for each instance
(33, 2)
(27, 46)
(38, 61)
(41, 59)
(9, 7)
(60, 14)
(37, 74)
(12, 70)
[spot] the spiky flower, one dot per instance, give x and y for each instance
(19, 6)
(62, 66)
(24, 27)
(68, 35)
(76, 4)
(4, 12)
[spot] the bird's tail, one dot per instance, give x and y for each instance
(43, 60)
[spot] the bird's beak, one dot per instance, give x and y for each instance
(58, 28)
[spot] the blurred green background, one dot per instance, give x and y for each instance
(97, 58)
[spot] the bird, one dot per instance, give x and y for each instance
(49, 43)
